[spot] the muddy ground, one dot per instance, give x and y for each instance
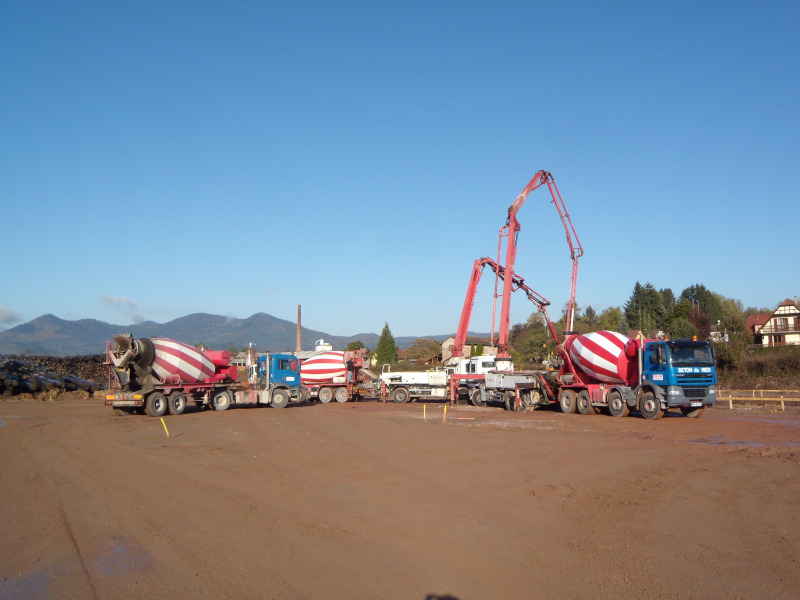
(372, 500)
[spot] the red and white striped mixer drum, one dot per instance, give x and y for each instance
(326, 367)
(172, 359)
(603, 355)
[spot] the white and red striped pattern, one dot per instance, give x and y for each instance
(189, 364)
(323, 368)
(601, 355)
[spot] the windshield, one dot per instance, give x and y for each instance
(691, 356)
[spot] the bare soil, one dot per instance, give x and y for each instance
(372, 500)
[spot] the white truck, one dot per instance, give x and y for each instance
(402, 386)
(516, 390)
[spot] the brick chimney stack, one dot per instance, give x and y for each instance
(299, 337)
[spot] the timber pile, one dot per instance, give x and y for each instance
(55, 374)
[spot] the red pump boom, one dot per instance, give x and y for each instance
(517, 283)
(511, 281)
(511, 229)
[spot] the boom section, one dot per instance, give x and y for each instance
(517, 283)
(511, 231)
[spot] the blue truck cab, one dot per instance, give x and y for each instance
(678, 374)
(278, 376)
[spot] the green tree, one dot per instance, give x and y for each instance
(730, 307)
(644, 310)
(357, 345)
(386, 352)
(668, 299)
(532, 341)
(681, 328)
(732, 350)
(611, 319)
(703, 300)
(590, 317)
(423, 348)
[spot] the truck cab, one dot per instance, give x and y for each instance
(680, 373)
(277, 372)
(480, 365)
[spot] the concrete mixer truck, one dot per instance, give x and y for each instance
(608, 369)
(328, 374)
(161, 375)
(605, 369)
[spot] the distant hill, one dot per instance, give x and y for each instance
(49, 335)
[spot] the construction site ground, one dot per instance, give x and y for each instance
(373, 500)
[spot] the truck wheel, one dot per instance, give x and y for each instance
(400, 395)
(463, 395)
(510, 400)
(221, 401)
(566, 401)
(341, 395)
(156, 405)
(279, 399)
(616, 405)
(177, 403)
(583, 404)
(325, 395)
(123, 412)
(476, 398)
(692, 412)
(650, 406)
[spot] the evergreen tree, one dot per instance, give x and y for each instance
(705, 301)
(644, 310)
(386, 352)
(667, 299)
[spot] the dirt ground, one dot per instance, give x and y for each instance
(372, 500)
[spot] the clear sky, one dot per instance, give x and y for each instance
(159, 159)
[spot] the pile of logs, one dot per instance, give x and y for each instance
(32, 374)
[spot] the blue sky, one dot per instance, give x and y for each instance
(159, 159)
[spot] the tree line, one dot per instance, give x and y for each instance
(696, 311)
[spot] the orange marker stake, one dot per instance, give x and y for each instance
(444, 414)
(424, 413)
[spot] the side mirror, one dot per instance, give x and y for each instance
(657, 355)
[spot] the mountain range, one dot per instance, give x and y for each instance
(50, 335)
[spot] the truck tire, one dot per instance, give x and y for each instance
(325, 395)
(400, 395)
(566, 401)
(650, 406)
(156, 405)
(617, 406)
(177, 403)
(341, 395)
(692, 412)
(583, 403)
(510, 401)
(221, 400)
(279, 399)
(476, 398)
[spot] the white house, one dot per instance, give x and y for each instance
(781, 328)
